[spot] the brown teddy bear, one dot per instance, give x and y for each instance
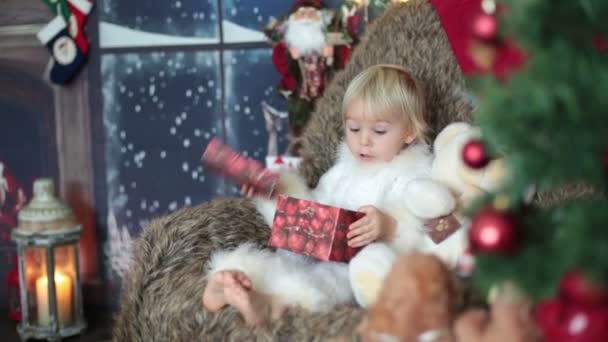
(417, 302)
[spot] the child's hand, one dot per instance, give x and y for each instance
(373, 226)
(247, 190)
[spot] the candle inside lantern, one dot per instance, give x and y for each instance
(63, 288)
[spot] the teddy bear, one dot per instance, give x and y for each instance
(446, 235)
(417, 302)
(449, 168)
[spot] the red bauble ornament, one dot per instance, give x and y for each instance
(600, 42)
(560, 322)
(548, 314)
(494, 232)
(485, 27)
(474, 154)
(575, 287)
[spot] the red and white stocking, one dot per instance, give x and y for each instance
(67, 58)
(80, 10)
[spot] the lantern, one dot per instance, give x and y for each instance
(49, 277)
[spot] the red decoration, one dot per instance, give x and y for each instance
(474, 154)
(509, 57)
(241, 169)
(577, 288)
(313, 229)
(548, 314)
(600, 42)
(562, 322)
(485, 27)
(466, 264)
(14, 301)
(493, 231)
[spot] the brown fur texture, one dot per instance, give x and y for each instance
(419, 290)
(162, 301)
(164, 290)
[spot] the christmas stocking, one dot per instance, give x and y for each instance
(80, 11)
(59, 7)
(68, 59)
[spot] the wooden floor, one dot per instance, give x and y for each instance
(98, 329)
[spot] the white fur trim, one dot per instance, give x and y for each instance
(266, 207)
(409, 160)
(451, 249)
(294, 185)
(84, 6)
(448, 133)
(428, 199)
(409, 234)
(50, 30)
(367, 271)
(297, 280)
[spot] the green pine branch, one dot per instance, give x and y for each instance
(549, 120)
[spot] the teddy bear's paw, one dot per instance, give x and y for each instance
(367, 271)
(428, 199)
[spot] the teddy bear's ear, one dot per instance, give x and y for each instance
(448, 133)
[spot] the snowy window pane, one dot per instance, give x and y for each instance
(244, 19)
(158, 23)
(251, 87)
(156, 166)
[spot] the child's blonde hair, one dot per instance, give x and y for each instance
(390, 92)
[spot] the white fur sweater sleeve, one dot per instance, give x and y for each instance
(414, 197)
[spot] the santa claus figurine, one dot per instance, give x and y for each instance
(12, 198)
(306, 53)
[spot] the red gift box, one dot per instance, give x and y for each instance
(222, 158)
(313, 229)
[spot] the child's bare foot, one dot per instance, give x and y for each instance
(255, 307)
(213, 296)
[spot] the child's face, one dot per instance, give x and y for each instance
(372, 140)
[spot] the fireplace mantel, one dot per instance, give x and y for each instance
(21, 52)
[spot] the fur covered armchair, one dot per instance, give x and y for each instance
(162, 300)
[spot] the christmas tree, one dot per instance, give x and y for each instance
(548, 119)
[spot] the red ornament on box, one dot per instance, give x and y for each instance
(313, 229)
(239, 168)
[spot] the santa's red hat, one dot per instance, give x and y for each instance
(318, 4)
(457, 17)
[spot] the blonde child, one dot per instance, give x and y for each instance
(382, 170)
